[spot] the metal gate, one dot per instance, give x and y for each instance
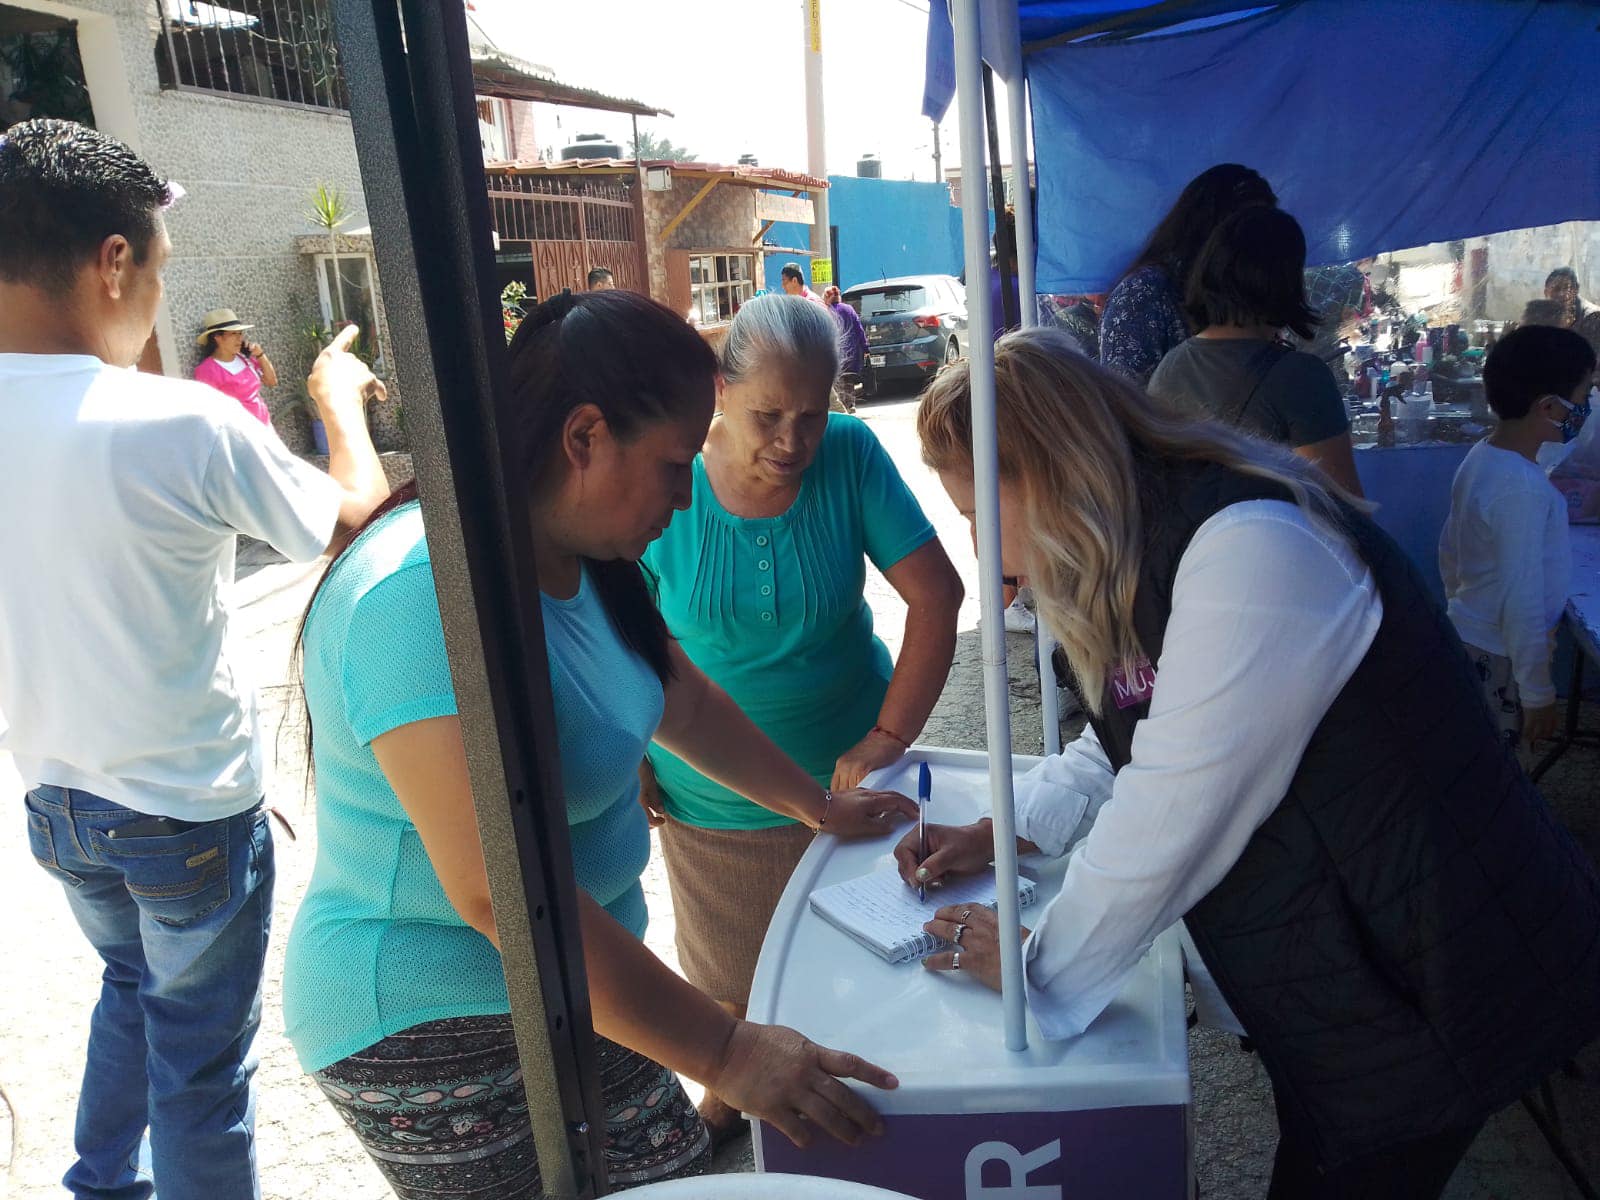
(570, 226)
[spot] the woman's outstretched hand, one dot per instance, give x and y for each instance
(863, 812)
(952, 850)
(876, 750)
(787, 1080)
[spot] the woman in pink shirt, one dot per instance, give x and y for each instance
(233, 366)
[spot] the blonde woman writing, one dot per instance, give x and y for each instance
(1288, 752)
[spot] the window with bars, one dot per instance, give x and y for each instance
(346, 294)
(719, 284)
(274, 51)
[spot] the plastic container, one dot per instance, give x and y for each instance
(1424, 352)
(1103, 1116)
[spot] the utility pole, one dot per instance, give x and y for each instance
(938, 158)
(816, 145)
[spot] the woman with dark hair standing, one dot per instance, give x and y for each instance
(1248, 287)
(1145, 315)
(1289, 753)
(394, 994)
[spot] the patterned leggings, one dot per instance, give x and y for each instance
(440, 1108)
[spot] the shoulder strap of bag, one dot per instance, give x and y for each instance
(1262, 364)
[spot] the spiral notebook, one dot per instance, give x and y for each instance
(885, 916)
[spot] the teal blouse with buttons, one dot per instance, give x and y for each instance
(773, 610)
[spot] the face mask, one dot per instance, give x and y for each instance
(1573, 422)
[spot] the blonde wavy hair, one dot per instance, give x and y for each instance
(1068, 430)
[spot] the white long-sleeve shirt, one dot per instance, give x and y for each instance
(1506, 563)
(1271, 614)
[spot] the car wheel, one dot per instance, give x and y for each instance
(951, 352)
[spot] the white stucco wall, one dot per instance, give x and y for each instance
(1520, 260)
(249, 169)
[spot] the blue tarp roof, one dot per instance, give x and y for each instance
(1381, 125)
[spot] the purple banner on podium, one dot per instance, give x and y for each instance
(1091, 1154)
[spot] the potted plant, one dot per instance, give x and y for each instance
(328, 211)
(310, 336)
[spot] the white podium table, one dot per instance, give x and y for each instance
(1103, 1116)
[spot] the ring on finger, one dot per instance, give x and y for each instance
(957, 935)
(966, 914)
(955, 961)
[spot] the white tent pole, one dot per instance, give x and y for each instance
(986, 487)
(1017, 118)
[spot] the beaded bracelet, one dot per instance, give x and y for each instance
(827, 807)
(889, 733)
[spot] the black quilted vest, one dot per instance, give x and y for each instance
(1411, 939)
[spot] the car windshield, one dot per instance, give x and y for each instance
(878, 302)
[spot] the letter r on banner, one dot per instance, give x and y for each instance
(1020, 1166)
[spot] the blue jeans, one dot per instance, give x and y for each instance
(181, 920)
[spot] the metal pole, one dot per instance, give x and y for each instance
(415, 123)
(938, 156)
(1017, 115)
(1005, 248)
(986, 488)
(816, 141)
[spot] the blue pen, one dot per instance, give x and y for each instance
(924, 798)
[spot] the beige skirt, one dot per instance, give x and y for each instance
(725, 886)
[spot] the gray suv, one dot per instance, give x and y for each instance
(914, 325)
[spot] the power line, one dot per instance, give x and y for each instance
(914, 6)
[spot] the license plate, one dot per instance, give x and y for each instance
(877, 360)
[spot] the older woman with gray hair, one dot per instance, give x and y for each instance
(761, 580)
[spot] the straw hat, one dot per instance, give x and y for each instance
(219, 320)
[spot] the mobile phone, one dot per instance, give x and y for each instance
(152, 827)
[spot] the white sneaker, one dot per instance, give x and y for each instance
(1019, 619)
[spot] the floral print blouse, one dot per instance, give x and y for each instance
(1143, 319)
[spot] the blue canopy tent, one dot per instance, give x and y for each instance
(1381, 125)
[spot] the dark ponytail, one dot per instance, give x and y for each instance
(638, 362)
(635, 360)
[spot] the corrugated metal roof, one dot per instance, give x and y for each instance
(748, 176)
(507, 76)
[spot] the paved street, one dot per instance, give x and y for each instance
(51, 977)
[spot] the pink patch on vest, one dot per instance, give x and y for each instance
(1128, 693)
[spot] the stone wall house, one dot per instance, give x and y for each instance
(247, 167)
(242, 103)
(697, 250)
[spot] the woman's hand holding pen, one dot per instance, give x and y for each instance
(952, 850)
(975, 932)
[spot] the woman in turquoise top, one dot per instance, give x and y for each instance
(761, 581)
(394, 995)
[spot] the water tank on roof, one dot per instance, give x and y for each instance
(591, 145)
(869, 166)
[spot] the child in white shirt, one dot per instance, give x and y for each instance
(1504, 553)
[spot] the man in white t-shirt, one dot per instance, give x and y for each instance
(128, 719)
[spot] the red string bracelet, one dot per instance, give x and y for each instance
(889, 733)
